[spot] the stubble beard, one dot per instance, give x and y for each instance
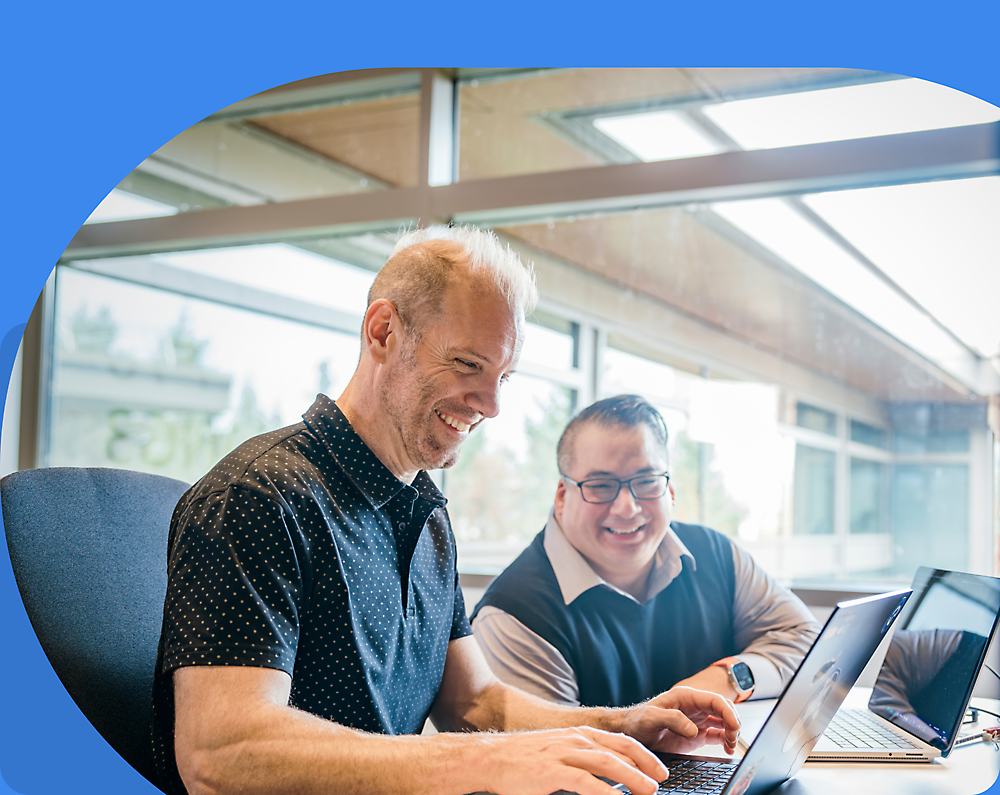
(406, 397)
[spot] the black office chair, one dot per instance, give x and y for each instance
(89, 553)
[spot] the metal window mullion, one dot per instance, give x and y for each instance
(980, 498)
(842, 495)
(188, 284)
(36, 377)
(593, 341)
(810, 438)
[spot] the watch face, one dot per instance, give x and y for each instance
(741, 672)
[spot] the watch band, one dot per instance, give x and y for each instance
(742, 693)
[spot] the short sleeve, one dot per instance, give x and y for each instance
(235, 583)
(460, 626)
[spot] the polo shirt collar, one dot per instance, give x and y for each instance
(369, 475)
(576, 576)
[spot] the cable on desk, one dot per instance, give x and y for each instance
(986, 736)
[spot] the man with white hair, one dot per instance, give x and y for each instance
(314, 618)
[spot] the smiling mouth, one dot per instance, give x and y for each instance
(456, 423)
(624, 531)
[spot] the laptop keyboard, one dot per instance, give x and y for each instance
(854, 729)
(698, 777)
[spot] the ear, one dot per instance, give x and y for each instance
(380, 330)
(560, 501)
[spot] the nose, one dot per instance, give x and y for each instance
(625, 504)
(486, 398)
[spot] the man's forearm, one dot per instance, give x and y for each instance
(503, 708)
(235, 733)
(287, 751)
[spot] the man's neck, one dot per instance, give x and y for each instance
(637, 586)
(362, 414)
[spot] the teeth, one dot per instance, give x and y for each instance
(458, 425)
(623, 531)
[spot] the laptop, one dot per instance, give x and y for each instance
(923, 688)
(849, 638)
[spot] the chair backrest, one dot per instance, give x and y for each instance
(89, 553)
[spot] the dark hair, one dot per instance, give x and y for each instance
(625, 411)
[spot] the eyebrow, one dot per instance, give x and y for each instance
(603, 473)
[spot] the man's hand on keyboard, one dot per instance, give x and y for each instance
(682, 719)
(540, 762)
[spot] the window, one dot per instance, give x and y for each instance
(930, 504)
(824, 389)
(151, 379)
(868, 434)
(869, 487)
(501, 490)
(814, 491)
(816, 419)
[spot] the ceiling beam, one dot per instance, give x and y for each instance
(892, 159)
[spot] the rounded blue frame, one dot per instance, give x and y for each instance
(77, 123)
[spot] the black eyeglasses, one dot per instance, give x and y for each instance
(602, 490)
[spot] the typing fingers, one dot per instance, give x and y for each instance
(572, 759)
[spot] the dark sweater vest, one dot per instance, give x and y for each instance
(623, 652)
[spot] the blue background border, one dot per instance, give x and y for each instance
(92, 89)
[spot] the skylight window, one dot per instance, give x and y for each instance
(939, 241)
(779, 227)
(858, 111)
(282, 269)
(661, 135)
(120, 205)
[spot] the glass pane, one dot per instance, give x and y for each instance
(501, 490)
(548, 348)
(815, 419)
(868, 434)
(281, 269)
(150, 380)
(625, 373)
(920, 227)
(536, 121)
(120, 205)
(778, 225)
(886, 107)
(868, 493)
(916, 442)
(930, 509)
(814, 490)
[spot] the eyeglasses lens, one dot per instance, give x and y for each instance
(644, 488)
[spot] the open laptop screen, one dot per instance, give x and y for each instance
(936, 654)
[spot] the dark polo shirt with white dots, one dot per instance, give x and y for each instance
(300, 551)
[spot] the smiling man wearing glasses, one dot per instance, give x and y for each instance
(613, 603)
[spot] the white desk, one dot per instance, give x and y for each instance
(969, 769)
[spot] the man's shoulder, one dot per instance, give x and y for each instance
(698, 534)
(262, 464)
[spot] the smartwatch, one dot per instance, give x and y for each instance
(740, 676)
